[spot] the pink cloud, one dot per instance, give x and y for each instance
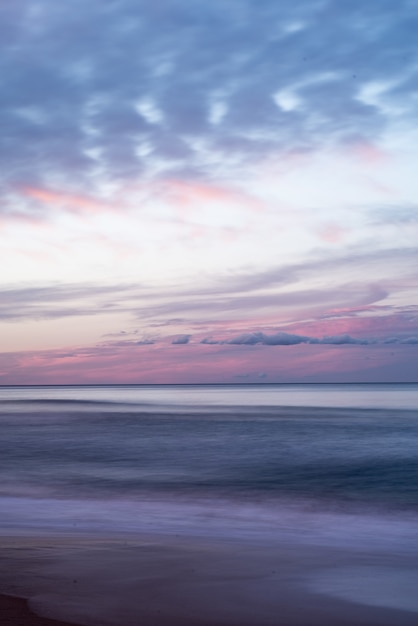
(366, 321)
(332, 232)
(188, 195)
(72, 202)
(23, 218)
(380, 188)
(367, 152)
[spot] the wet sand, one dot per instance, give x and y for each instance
(16, 612)
(179, 581)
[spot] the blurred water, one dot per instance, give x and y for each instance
(328, 463)
(182, 397)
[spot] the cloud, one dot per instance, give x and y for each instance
(288, 339)
(401, 215)
(187, 195)
(96, 90)
(278, 339)
(409, 340)
(181, 340)
(338, 268)
(250, 339)
(130, 363)
(210, 342)
(282, 303)
(339, 340)
(72, 202)
(401, 340)
(275, 339)
(278, 295)
(157, 131)
(320, 287)
(55, 301)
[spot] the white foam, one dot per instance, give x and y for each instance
(388, 587)
(216, 517)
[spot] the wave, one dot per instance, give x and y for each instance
(304, 523)
(219, 411)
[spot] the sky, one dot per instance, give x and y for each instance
(208, 192)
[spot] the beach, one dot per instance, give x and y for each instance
(169, 581)
(16, 612)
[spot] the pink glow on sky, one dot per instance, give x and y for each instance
(186, 196)
(213, 364)
(369, 153)
(208, 195)
(68, 201)
(333, 233)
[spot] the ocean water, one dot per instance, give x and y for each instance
(323, 464)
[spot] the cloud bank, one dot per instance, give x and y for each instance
(97, 89)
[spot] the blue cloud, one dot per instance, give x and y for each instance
(287, 339)
(181, 340)
(88, 84)
(339, 340)
(402, 340)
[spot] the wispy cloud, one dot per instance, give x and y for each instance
(59, 200)
(96, 92)
(52, 301)
(280, 290)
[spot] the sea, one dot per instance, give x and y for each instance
(334, 466)
(227, 460)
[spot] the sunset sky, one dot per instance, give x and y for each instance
(221, 191)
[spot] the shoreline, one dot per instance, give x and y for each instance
(161, 580)
(15, 610)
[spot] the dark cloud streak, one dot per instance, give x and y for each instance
(287, 339)
(181, 340)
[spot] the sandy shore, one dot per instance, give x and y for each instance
(16, 612)
(172, 581)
